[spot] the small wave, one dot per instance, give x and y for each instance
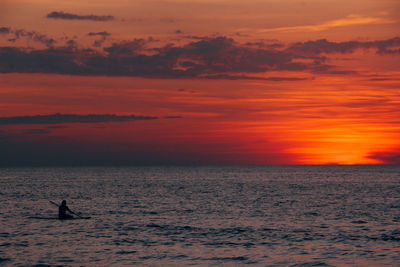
(394, 236)
(130, 228)
(149, 212)
(238, 258)
(221, 244)
(359, 222)
(171, 227)
(300, 231)
(6, 244)
(311, 214)
(4, 234)
(153, 257)
(269, 229)
(124, 252)
(153, 225)
(311, 264)
(179, 256)
(65, 260)
(2, 260)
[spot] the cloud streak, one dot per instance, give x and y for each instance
(70, 16)
(351, 20)
(309, 48)
(70, 118)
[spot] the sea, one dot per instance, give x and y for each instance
(202, 216)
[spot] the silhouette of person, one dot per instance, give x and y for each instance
(62, 211)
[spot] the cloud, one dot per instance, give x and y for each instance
(104, 33)
(309, 48)
(4, 30)
(386, 157)
(243, 77)
(57, 127)
(70, 118)
(173, 117)
(210, 58)
(31, 35)
(202, 58)
(36, 131)
(350, 20)
(70, 16)
(126, 48)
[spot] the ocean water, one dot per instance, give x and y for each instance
(202, 216)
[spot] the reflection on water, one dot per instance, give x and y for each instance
(262, 216)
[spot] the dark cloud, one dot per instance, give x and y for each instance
(103, 37)
(57, 127)
(126, 48)
(70, 16)
(243, 77)
(29, 153)
(59, 60)
(223, 55)
(333, 70)
(173, 117)
(262, 44)
(30, 35)
(210, 58)
(98, 43)
(35, 131)
(71, 118)
(71, 44)
(386, 157)
(194, 37)
(389, 46)
(104, 33)
(4, 30)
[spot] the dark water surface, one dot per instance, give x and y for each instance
(202, 216)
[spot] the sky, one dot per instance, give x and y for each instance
(176, 82)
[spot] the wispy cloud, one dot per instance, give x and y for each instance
(30, 35)
(70, 118)
(351, 20)
(70, 16)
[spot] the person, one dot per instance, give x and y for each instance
(62, 211)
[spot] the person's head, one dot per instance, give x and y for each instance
(64, 203)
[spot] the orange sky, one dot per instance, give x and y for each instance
(230, 82)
